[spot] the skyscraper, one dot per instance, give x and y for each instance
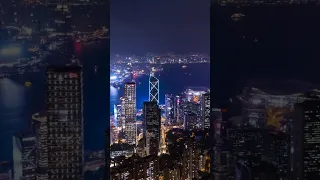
(24, 156)
(190, 121)
(41, 131)
(205, 110)
(118, 116)
(129, 111)
(65, 122)
(169, 102)
(178, 111)
(153, 88)
(305, 142)
(152, 118)
(220, 153)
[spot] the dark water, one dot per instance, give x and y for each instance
(173, 79)
(270, 42)
(18, 102)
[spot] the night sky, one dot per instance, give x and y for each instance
(158, 26)
(272, 43)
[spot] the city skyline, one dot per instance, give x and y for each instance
(140, 89)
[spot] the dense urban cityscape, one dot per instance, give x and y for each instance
(45, 64)
(245, 113)
(180, 125)
(265, 114)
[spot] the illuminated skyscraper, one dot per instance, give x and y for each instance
(152, 118)
(129, 111)
(246, 145)
(65, 122)
(24, 156)
(205, 110)
(153, 88)
(190, 121)
(41, 130)
(305, 143)
(169, 101)
(220, 154)
(118, 115)
(178, 111)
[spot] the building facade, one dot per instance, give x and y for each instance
(129, 111)
(152, 126)
(64, 122)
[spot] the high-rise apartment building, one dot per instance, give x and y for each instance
(191, 160)
(152, 125)
(305, 144)
(205, 110)
(24, 156)
(136, 167)
(129, 111)
(64, 122)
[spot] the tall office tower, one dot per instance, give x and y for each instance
(276, 149)
(118, 116)
(129, 111)
(170, 116)
(205, 111)
(65, 123)
(305, 142)
(220, 152)
(24, 156)
(41, 130)
(153, 88)
(246, 145)
(190, 121)
(152, 125)
(178, 111)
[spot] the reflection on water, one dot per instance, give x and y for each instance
(12, 94)
(113, 96)
(12, 103)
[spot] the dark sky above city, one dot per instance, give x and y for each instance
(270, 44)
(158, 26)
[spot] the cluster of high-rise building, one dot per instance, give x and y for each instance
(146, 154)
(168, 58)
(274, 131)
(52, 149)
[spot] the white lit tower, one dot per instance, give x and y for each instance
(153, 88)
(130, 112)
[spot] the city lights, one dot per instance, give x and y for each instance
(10, 51)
